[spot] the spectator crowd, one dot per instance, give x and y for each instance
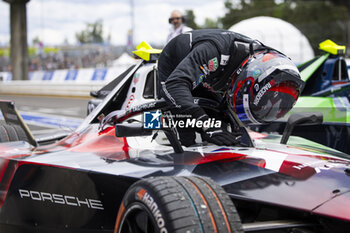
(67, 58)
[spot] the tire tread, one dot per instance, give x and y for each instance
(11, 133)
(188, 205)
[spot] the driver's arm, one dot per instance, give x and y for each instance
(191, 71)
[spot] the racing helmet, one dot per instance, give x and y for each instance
(265, 87)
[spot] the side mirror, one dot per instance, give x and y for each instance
(131, 130)
(92, 104)
(94, 94)
(308, 118)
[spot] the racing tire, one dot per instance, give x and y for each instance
(177, 204)
(11, 133)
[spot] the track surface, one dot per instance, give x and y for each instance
(42, 110)
(50, 105)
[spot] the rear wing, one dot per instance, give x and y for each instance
(308, 68)
(12, 117)
(332, 48)
(146, 52)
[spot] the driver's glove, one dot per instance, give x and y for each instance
(187, 136)
(219, 137)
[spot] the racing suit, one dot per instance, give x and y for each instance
(200, 59)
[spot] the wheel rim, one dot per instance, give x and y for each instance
(138, 219)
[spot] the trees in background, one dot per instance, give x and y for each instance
(190, 19)
(208, 23)
(93, 33)
(317, 20)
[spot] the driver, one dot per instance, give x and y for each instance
(259, 83)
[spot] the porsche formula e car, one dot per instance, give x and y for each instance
(114, 175)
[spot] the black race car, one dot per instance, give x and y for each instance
(114, 175)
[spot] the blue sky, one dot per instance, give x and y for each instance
(53, 21)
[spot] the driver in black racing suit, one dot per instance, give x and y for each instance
(204, 61)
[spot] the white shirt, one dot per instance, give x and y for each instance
(175, 32)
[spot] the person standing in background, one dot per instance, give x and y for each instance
(177, 20)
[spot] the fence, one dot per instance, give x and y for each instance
(76, 83)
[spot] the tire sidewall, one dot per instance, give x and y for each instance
(142, 194)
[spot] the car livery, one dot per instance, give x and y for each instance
(103, 178)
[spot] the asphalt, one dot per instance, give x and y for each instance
(55, 108)
(51, 105)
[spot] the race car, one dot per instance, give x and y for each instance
(118, 173)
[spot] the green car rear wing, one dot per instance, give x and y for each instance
(309, 67)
